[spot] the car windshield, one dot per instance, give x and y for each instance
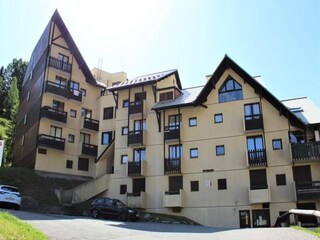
(119, 203)
(9, 189)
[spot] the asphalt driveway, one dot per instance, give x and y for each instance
(59, 227)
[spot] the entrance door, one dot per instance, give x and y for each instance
(244, 219)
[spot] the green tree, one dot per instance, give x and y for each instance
(17, 68)
(2, 94)
(11, 103)
(6, 135)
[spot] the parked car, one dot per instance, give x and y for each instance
(109, 207)
(10, 197)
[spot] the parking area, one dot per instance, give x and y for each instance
(58, 227)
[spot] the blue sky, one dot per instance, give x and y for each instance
(277, 39)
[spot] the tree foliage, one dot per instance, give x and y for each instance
(11, 103)
(16, 69)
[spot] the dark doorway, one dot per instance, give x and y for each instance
(138, 186)
(261, 218)
(244, 219)
(175, 184)
(307, 221)
(302, 173)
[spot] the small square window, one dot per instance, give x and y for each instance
(83, 164)
(84, 92)
(69, 164)
(220, 150)
(281, 179)
(73, 113)
(194, 186)
(277, 144)
(123, 189)
(125, 103)
(124, 159)
(71, 138)
(218, 118)
(124, 131)
(193, 152)
(108, 113)
(192, 122)
(222, 184)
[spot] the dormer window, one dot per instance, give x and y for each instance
(231, 90)
(166, 96)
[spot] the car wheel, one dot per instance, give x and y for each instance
(122, 217)
(95, 213)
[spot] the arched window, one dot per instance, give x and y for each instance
(231, 90)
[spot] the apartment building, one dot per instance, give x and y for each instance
(226, 154)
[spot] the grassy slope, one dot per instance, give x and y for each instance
(12, 228)
(37, 192)
(315, 232)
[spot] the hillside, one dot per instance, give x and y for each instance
(37, 191)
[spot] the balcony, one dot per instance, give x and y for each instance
(51, 142)
(136, 169)
(59, 64)
(137, 137)
(137, 108)
(171, 133)
(57, 89)
(75, 94)
(173, 199)
(308, 190)
(137, 200)
(309, 151)
(259, 195)
(54, 114)
(253, 122)
(257, 158)
(91, 124)
(89, 149)
(172, 165)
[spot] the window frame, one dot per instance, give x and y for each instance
(249, 111)
(83, 164)
(197, 152)
(108, 113)
(222, 184)
(215, 118)
(123, 189)
(139, 154)
(274, 141)
(281, 179)
(224, 94)
(194, 186)
(123, 156)
(71, 138)
(125, 103)
(123, 131)
(68, 162)
(193, 119)
(109, 133)
(224, 150)
(73, 111)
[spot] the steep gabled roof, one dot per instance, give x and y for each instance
(146, 79)
(43, 43)
(227, 63)
(187, 98)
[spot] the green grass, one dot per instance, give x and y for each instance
(315, 232)
(12, 228)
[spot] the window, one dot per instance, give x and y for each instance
(138, 186)
(175, 151)
(85, 138)
(124, 131)
(55, 131)
(218, 118)
(138, 97)
(261, 218)
(71, 138)
(86, 113)
(139, 154)
(166, 96)
(222, 184)
(258, 179)
(57, 105)
(75, 88)
(25, 119)
(139, 125)
(194, 153)
(124, 159)
(73, 113)
(42, 151)
(277, 144)
(60, 82)
(192, 122)
(123, 189)
(69, 164)
(106, 138)
(220, 150)
(174, 122)
(84, 92)
(255, 143)
(125, 103)
(175, 184)
(194, 186)
(83, 164)
(252, 111)
(281, 179)
(108, 113)
(231, 90)
(63, 58)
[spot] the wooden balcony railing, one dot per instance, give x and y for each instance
(54, 114)
(257, 158)
(308, 190)
(59, 64)
(171, 132)
(306, 151)
(91, 124)
(253, 122)
(135, 107)
(172, 165)
(135, 137)
(51, 141)
(134, 168)
(89, 149)
(57, 89)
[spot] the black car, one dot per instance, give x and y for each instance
(109, 207)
